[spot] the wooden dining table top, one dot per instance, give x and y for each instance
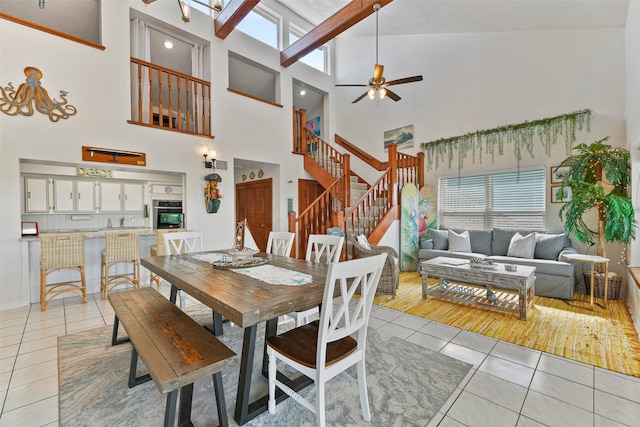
(241, 299)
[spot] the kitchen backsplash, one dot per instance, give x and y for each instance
(65, 222)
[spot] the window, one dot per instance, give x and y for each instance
(252, 78)
(504, 200)
(261, 26)
(210, 10)
(316, 59)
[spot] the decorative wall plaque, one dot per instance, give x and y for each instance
(94, 172)
(110, 155)
(30, 95)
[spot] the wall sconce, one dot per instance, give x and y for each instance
(212, 154)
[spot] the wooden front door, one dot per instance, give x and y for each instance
(254, 202)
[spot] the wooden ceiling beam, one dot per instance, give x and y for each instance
(342, 20)
(232, 14)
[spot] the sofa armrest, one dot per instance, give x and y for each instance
(426, 244)
(566, 251)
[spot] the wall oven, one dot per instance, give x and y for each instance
(167, 214)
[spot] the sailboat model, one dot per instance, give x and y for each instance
(243, 241)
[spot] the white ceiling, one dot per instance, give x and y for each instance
(470, 16)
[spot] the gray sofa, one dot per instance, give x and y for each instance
(555, 276)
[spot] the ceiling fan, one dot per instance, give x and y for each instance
(377, 84)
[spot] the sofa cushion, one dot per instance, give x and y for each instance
(459, 242)
(440, 239)
(480, 240)
(501, 240)
(522, 246)
(549, 246)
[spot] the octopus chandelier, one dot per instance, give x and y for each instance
(31, 94)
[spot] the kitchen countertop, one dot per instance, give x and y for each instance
(93, 233)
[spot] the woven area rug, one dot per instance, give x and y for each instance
(407, 385)
(569, 328)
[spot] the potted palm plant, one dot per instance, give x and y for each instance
(599, 177)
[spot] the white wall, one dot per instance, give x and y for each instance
(482, 81)
(97, 82)
(633, 135)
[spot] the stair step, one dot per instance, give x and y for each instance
(359, 186)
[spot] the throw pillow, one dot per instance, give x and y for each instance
(440, 239)
(362, 241)
(459, 242)
(549, 246)
(522, 247)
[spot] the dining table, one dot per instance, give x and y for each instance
(247, 302)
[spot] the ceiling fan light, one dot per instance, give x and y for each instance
(382, 92)
(372, 94)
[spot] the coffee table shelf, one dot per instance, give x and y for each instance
(514, 289)
(506, 301)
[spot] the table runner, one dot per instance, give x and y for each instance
(275, 275)
(265, 273)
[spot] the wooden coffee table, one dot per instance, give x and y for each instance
(475, 287)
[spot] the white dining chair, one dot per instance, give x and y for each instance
(182, 243)
(342, 325)
(320, 248)
(280, 243)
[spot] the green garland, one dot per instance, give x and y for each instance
(520, 135)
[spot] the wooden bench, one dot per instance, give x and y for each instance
(176, 350)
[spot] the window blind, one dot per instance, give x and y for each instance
(500, 200)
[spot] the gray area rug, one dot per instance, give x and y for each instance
(407, 385)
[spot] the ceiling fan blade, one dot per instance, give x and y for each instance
(377, 73)
(392, 95)
(404, 80)
(359, 98)
(354, 85)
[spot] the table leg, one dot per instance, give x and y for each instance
(244, 377)
(246, 411)
(593, 283)
(606, 283)
(523, 304)
(425, 284)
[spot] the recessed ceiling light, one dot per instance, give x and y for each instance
(168, 44)
(302, 92)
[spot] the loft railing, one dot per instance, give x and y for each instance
(167, 99)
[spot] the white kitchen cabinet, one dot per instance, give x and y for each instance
(85, 196)
(166, 189)
(36, 193)
(63, 195)
(133, 196)
(110, 197)
(118, 197)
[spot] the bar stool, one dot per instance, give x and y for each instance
(61, 252)
(158, 250)
(121, 247)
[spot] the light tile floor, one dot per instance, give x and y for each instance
(508, 385)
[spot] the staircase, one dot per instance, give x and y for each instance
(349, 202)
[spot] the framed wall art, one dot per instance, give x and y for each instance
(560, 194)
(403, 137)
(558, 174)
